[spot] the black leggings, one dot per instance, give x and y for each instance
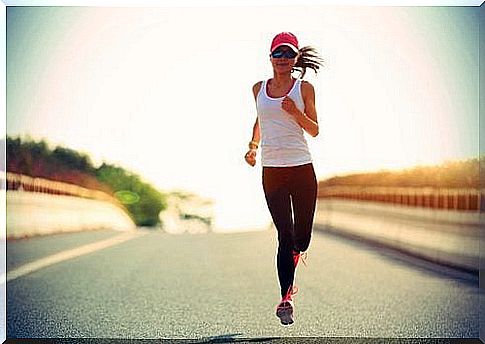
(286, 188)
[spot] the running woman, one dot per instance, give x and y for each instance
(285, 109)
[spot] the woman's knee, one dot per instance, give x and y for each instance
(285, 244)
(302, 240)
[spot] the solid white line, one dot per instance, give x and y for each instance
(66, 255)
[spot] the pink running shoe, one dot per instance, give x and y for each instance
(285, 308)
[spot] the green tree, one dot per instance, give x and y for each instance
(149, 201)
(36, 159)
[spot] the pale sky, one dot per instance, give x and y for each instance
(165, 92)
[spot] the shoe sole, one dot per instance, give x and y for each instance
(285, 313)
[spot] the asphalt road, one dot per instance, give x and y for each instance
(157, 285)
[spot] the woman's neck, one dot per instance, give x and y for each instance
(282, 79)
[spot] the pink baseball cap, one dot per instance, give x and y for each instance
(285, 38)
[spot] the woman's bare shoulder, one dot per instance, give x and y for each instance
(307, 85)
(257, 88)
(307, 88)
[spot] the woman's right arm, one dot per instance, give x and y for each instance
(255, 138)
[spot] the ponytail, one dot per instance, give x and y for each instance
(308, 58)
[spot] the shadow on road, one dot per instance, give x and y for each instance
(230, 338)
(343, 340)
(401, 257)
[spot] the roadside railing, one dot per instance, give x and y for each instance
(21, 182)
(438, 198)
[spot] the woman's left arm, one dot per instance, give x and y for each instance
(308, 119)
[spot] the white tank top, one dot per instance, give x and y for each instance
(282, 141)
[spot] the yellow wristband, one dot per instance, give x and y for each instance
(253, 144)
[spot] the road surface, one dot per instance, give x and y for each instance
(157, 285)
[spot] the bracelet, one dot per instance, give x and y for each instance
(253, 145)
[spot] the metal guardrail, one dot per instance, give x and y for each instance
(15, 181)
(437, 198)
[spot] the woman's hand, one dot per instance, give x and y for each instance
(308, 119)
(289, 106)
(250, 157)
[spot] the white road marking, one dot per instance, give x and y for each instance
(66, 255)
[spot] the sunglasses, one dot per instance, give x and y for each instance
(287, 54)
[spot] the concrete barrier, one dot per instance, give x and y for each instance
(34, 213)
(421, 197)
(448, 237)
